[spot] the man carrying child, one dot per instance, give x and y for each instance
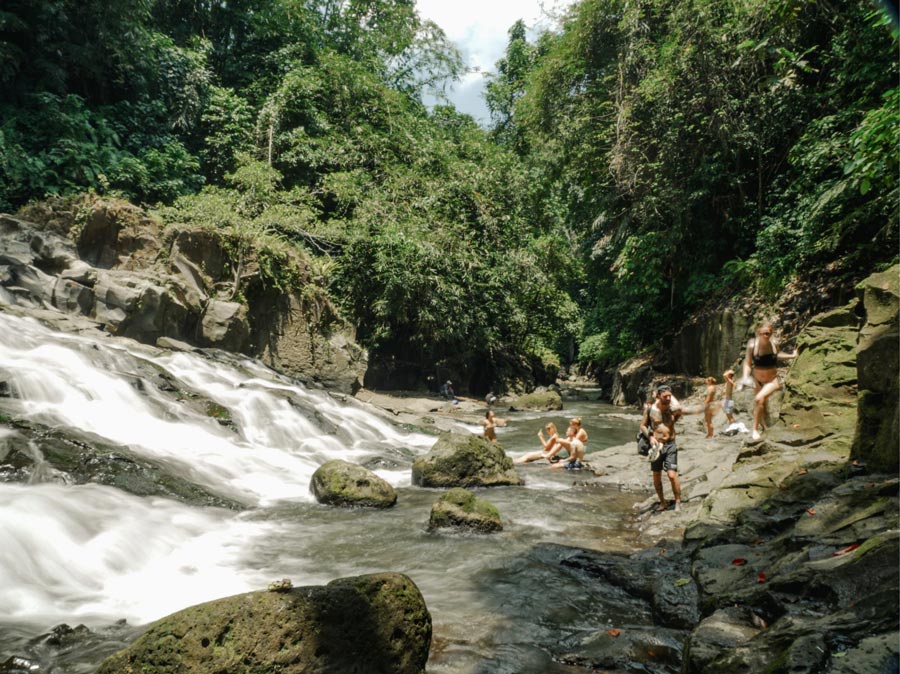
(659, 421)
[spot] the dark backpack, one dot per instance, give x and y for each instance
(643, 442)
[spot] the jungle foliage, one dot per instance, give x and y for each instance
(643, 158)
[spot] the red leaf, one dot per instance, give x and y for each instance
(849, 548)
(811, 511)
(802, 471)
(739, 561)
(761, 578)
(613, 632)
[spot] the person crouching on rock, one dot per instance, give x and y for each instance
(664, 456)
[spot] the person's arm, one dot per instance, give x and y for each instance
(782, 355)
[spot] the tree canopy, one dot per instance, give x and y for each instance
(644, 158)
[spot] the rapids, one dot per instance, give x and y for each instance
(96, 555)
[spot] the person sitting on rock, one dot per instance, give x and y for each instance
(448, 392)
(579, 433)
(574, 446)
(547, 444)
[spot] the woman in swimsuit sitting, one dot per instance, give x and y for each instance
(547, 443)
(762, 360)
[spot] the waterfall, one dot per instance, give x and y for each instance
(90, 550)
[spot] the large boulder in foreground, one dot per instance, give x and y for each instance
(377, 624)
(341, 483)
(460, 509)
(458, 460)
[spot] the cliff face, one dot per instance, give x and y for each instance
(878, 371)
(710, 345)
(112, 263)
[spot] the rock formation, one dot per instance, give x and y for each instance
(459, 460)
(377, 624)
(341, 483)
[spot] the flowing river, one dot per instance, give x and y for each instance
(113, 561)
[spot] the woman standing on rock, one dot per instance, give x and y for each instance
(761, 359)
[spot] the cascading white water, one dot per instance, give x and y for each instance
(72, 381)
(92, 550)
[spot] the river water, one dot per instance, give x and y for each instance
(95, 555)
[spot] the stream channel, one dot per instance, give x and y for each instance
(82, 553)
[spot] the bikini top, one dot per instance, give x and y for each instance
(764, 360)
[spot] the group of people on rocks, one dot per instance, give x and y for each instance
(658, 422)
(760, 363)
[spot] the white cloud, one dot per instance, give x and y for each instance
(479, 28)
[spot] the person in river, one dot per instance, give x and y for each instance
(490, 423)
(665, 411)
(709, 405)
(761, 359)
(547, 444)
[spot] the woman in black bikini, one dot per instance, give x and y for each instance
(762, 359)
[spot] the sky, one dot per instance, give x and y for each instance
(479, 29)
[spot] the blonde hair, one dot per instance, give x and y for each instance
(575, 421)
(550, 427)
(710, 380)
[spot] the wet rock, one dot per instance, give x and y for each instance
(632, 648)
(544, 401)
(19, 665)
(723, 631)
(877, 654)
(460, 509)
(224, 326)
(341, 483)
(377, 624)
(464, 460)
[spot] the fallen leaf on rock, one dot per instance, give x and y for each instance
(651, 654)
(844, 551)
(811, 511)
(802, 471)
(761, 578)
(757, 541)
(856, 462)
(684, 581)
(738, 561)
(840, 655)
(827, 414)
(614, 632)
(795, 425)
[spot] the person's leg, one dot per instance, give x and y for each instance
(707, 417)
(759, 403)
(657, 484)
(676, 487)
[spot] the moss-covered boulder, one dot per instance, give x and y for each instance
(541, 401)
(341, 483)
(377, 624)
(820, 389)
(878, 364)
(458, 460)
(460, 509)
